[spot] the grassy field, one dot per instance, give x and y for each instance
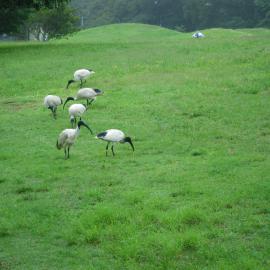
(193, 195)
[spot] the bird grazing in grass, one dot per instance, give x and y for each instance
(114, 136)
(68, 136)
(76, 110)
(89, 94)
(198, 35)
(80, 75)
(51, 102)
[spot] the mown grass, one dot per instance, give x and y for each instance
(195, 193)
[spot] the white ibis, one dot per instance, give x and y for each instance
(68, 136)
(87, 94)
(198, 35)
(51, 102)
(76, 110)
(114, 136)
(80, 75)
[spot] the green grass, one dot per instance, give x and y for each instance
(193, 195)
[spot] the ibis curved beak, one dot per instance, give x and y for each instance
(128, 140)
(69, 82)
(82, 123)
(132, 145)
(68, 99)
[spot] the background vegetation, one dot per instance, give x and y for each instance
(56, 18)
(183, 15)
(194, 195)
(42, 18)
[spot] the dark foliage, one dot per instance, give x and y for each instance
(14, 13)
(177, 14)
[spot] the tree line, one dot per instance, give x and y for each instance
(55, 18)
(184, 15)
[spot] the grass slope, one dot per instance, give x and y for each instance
(195, 193)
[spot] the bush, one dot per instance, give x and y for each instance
(52, 23)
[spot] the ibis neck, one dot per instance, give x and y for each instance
(77, 130)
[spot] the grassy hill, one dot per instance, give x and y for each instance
(193, 195)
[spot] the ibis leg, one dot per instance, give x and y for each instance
(68, 153)
(65, 153)
(50, 108)
(90, 102)
(107, 148)
(54, 112)
(81, 84)
(112, 151)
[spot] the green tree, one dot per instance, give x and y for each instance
(13, 13)
(52, 23)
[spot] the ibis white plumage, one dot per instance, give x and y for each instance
(114, 136)
(198, 35)
(51, 102)
(68, 136)
(80, 75)
(76, 110)
(89, 94)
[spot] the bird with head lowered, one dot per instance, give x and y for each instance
(80, 75)
(88, 94)
(51, 102)
(114, 136)
(74, 111)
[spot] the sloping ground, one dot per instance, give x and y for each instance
(193, 195)
(134, 33)
(126, 32)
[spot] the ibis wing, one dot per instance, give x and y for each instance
(112, 135)
(61, 139)
(86, 93)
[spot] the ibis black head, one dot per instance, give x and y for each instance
(98, 91)
(72, 120)
(50, 108)
(69, 82)
(128, 140)
(67, 100)
(82, 123)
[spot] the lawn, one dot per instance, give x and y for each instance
(193, 195)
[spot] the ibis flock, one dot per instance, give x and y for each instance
(68, 136)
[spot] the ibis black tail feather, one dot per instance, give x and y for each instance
(57, 145)
(101, 135)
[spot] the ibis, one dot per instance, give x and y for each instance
(51, 102)
(89, 94)
(68, 136)
(80, 75)
(76, 110)
(198, 35)
(114, 136)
